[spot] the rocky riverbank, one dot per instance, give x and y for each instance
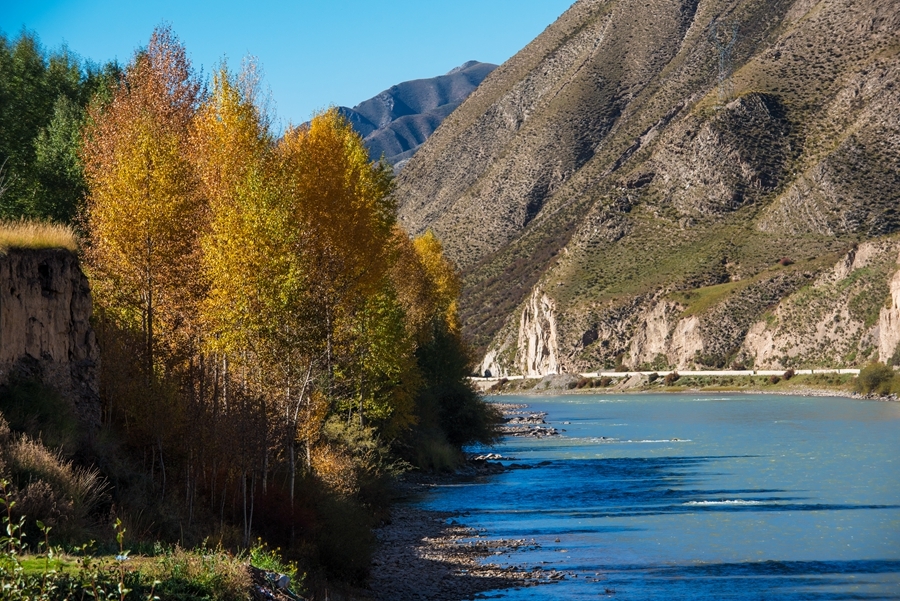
(431, 555)
(519, 422)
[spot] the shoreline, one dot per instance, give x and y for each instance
(429, 555)
(569, 384)
(804, 392)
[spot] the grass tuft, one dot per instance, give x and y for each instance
(27, 234)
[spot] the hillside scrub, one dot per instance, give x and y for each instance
(620, 206)
(42, 484)
(878, 378)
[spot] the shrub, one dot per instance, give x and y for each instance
(895, 358)
(774, 379)
(199, 574)
(671, 378)
(605, 381)
(785, 261)
(875, 378)
(40, 412)
(653, 377)
(789, 374)
(45, 486)
(436, 455)
(498, 385)
(583, 383)
(270, 560)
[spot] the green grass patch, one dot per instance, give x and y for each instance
(700, 300)
(39, 564)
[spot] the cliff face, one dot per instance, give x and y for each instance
(604, 172)
(45, 330)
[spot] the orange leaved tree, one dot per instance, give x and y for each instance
(143, 210)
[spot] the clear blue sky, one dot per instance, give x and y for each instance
(314, 53)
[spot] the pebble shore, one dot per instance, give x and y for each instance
(430, 555)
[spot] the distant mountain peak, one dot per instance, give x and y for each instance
(395, 122)
(462, 67)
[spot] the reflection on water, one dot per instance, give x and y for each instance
(739, 497)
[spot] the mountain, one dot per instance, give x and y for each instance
(397, 121)
(677, 183)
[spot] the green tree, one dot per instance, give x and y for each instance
(57, 165)
(42, 100)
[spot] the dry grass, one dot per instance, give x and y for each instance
(36, 235)
(78, 489)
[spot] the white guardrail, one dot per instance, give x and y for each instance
(682, 373)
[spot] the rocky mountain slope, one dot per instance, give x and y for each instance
(677, 183)
(397, 121)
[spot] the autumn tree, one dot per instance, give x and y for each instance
(143, 206)
(343, 200)
(450, 412)
(143, 215)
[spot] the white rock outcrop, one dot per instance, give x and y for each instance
(889, 321)
(538, 350)
(662, 330)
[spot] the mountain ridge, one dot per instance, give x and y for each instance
(395, 122)
(599, 172)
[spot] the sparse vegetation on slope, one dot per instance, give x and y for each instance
(605, 157)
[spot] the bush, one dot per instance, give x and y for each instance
(270, 560)
(789, 374)
(671, 378)
(175, 573)
(875, 378)
(774, 379)
(605, 381)
(199, 574)
(785, 261)
(498, 385)
(45, 486)
(895, 358)
(583, 383)
(653, 377)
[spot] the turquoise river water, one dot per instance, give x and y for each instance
(699, 496)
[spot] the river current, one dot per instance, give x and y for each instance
(699, 496)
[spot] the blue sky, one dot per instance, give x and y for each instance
(313, 53)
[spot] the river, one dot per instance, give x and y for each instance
(699, 496)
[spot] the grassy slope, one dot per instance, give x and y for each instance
(802, 59)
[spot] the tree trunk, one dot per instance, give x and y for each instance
(162, 467)
(244, 492)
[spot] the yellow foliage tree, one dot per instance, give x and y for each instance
(341, 200)
(143, 210)
(442, 277)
